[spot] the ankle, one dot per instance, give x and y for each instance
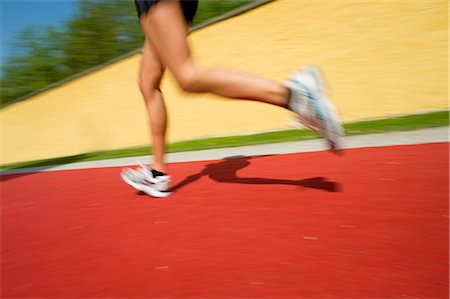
(159, 168)
(289, 99)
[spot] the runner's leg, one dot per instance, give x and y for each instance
(151, 71)
(164, 26)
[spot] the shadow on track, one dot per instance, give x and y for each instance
(225, 171)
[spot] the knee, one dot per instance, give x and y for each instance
(149, 84)
(188, 77)
(188, 83)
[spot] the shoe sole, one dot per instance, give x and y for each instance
(144, 188)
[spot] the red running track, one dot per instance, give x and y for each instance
(372, 224)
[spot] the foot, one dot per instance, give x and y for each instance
(315, 111)
(142, 179)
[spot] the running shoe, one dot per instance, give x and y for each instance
(142, 179)
(310, 102)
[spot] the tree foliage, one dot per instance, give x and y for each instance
(101, 30)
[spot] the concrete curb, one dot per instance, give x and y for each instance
(440, 134)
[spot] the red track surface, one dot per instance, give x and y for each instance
(372, 224)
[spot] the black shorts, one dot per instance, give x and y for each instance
(189, 7)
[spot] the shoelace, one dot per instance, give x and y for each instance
(140, 164)
(145, 170)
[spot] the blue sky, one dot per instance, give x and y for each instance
(15, 15)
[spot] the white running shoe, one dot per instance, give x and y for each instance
(142, 179)
(315, 111)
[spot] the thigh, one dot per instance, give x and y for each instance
(166, 29)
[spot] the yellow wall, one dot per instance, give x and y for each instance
(381, 58)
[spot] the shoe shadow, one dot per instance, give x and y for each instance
(225, 171)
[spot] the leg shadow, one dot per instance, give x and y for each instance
(225, 172)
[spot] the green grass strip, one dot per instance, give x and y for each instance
(404, 123)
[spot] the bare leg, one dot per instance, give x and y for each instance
(151, 71)
(166, 46)
(164, 26)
